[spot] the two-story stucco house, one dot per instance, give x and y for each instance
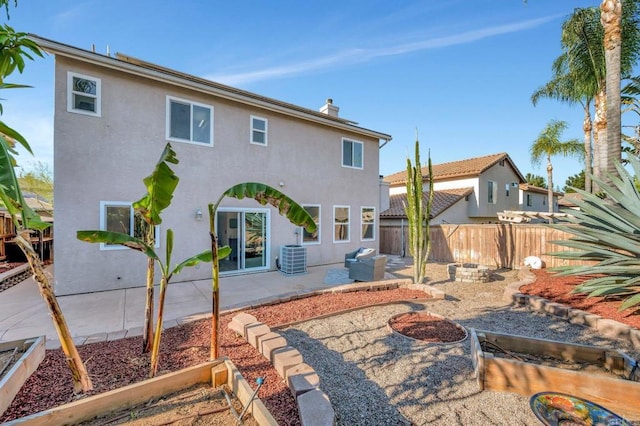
(113, 117)
(472, 190)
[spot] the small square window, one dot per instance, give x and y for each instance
(312, 237)
(119, 216)
(83, 94)
(341, 224)
(189, 122)
(368, 217)
(352, 154)
(258, 130)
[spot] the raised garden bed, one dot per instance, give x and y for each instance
(220, 372)
(527, 366)
(18, 360)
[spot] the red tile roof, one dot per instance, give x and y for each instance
(456, 169)
(442, 200)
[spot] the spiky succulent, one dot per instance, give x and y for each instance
(606, 239)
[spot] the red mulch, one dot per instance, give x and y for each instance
(119, 363)
(558, 289)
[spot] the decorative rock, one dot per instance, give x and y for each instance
(315, 409)
(285, 358)
(269, 342)
(302, 378)
(254, 331)
(240, 322)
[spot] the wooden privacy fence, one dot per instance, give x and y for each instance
(503, 245)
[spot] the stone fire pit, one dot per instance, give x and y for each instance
(469, 272)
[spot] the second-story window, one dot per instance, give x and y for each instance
(492, 190)
(83, 95)
(259, 128)
(189, 122)
(352, 153)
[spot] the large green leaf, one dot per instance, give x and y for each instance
(160, 184)
(10, 192)
(264, 194)
(126, 240)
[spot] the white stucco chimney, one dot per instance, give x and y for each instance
(330, 109)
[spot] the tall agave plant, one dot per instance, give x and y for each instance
(418, 212)
(606, 236)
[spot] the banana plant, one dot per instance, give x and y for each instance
(161, 184)
(264, 195)
(14, 48)
(606, 239)
(160, 187)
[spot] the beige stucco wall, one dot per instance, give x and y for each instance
(105, 159)
(501, 175)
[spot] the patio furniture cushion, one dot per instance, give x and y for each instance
(370, 269)
(359, 254)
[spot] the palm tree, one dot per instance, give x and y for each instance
(579, 74)
(611, 17)
(547, 145)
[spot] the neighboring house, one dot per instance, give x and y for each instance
(533, 198)
(474, 190)
(113, 117)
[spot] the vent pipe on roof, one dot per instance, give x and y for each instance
(329, 108)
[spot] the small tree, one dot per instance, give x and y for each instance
(160, 187)
(263, 194)
(418, 213)
(549, 144)
(14, 48)
(575, 181)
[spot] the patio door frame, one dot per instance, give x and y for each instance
(241, 238)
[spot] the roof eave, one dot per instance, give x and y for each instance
(72, 52)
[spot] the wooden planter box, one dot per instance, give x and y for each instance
(218, 372)
(31, 355)
(508, 374)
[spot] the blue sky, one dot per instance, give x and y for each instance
(460, 72)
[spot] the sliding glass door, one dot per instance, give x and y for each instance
(246, 231)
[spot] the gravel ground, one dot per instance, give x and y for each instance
(375, 377)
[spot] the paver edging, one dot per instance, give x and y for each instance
(605, 326)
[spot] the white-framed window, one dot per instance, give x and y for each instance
(189, 122)
(368, 218)
(312, 237)
(259, 130)
(119, 216)
(83, 94)
(341, 224)
(529, 200)
(352, 153)
(507, 187)
(492, 192)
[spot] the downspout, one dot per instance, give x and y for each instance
(386, 141)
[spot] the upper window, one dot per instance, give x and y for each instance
(118, 216)
(529, 200)
(492, 192)
(189, 122)
(259, 128)
(352, 153)
(312, 237)
(368, 215)
(506, 189)
(341, 224)
(83, 96)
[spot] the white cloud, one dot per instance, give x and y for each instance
(353, 56)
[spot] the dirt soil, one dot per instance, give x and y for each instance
(118, 363)
(199, 405)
